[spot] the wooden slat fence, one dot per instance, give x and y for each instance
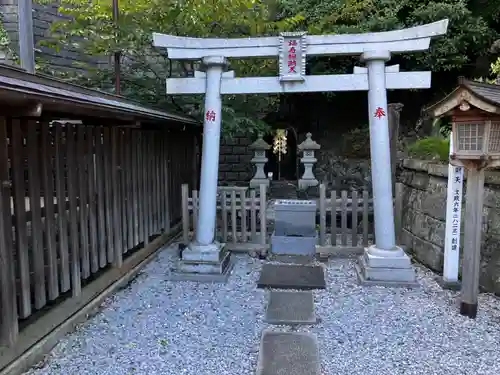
(75, 202)
(350, 229)
(241, 216)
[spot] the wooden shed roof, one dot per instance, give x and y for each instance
(19, 88)
(484, 96)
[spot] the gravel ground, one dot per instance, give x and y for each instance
(159, 327)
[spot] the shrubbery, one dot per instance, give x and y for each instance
(430, 148)
(356, 143)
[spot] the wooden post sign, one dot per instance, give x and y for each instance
(453, 219)
(292, 56)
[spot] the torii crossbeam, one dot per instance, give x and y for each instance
(383, 262)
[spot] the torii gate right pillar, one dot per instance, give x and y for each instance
(383, 263)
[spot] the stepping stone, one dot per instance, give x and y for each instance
(284, 276)
(294, 259)
(290, 308)
(289, 353)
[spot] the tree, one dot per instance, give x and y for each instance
(90, 27)
(465, 50)
(469, 34)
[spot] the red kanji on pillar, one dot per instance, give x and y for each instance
(210, 116)
(379, 113)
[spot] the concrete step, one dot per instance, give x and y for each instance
(293, 259)
(285, 276)
(290, 353)
(290, 308)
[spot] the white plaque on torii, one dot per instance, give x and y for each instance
(383, 262)
(292, 56)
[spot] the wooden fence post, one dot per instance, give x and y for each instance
(398, 211)
(22, 239)
(343, 217)
(224, 216)
(185, 213)
(234, 232)
(253, 216)
(8, 304)
(322, 215)
(117, 229)
(263, 218)
(393, 117)
(366, 200)
(333, 210)
(166, 181)
(354, 219)
(72, 169)
(243, 204)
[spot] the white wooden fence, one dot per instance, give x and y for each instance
(241, 217)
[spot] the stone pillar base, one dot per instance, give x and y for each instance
(449, 285)
(306, 183)
(385, 268)
(256, 182)
(203, 263)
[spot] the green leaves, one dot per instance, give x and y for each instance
(430, 148)
(5, 48)
(90, 28)
(4, 37)
(469, 33)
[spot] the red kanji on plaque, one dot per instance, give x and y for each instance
(210, 116)
(292, 56)
(379, 113)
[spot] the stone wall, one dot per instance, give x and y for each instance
(423, 218)
(333, 168)
(43, 17)
(235, 167)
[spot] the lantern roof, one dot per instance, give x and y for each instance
(484, 96)
(260, 144)
(309, 144)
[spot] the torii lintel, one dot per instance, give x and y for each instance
(405, 40)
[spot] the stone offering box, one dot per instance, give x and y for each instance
(295, 218)
(294, 227)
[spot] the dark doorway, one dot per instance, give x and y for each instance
(286, 169)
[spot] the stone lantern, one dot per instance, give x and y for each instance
(260, 147)
(474, 110)
(307, 147)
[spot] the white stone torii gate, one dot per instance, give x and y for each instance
(382, 263)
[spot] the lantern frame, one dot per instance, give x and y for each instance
(476, 140)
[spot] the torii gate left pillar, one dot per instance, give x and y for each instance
(206, 259)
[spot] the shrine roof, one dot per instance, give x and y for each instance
(485, 96)
(487, 91)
